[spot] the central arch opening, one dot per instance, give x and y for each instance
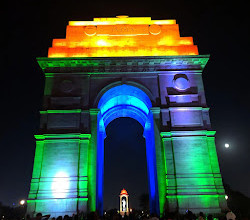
(120, 102)
(125, 164)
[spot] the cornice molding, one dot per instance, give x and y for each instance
(99, 65)
(171, 134)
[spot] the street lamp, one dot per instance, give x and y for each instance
(226, 197)
(226, 145)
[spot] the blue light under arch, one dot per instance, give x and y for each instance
(127, 101)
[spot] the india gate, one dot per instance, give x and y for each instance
(124, 67)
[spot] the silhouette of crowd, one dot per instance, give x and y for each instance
(116, 216)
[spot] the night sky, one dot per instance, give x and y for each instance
(219, 28)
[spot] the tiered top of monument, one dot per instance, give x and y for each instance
(122, 36)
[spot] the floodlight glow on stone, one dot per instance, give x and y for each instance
(121, 37)
(124, 100)
(181, 83)
(60, 185)
(125, 97)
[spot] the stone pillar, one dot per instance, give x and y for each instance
(151, 165)
(193, 175)
(59, 180)
(92, 160)
(101, 134)
(171, 185)
(83, 173)
(34, 185)
(160, 160)
(216, 169)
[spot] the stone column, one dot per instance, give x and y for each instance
(216, 169)
(59, 181)
(160, 163)
(92, 160)
(83, 172)
(34, 185)
(171, 204)
(193, 176)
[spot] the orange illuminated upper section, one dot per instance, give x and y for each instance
(122, 36)
(124, 192)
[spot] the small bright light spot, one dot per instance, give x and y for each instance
(22, 202)
(226, 145)
(142, 212)
(60, 185)
(102, 43)
(130, 210)
(105, 213)
(226, 197)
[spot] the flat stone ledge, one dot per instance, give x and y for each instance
(92, 65)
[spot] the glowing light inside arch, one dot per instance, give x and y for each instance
(127, 101)
(124, 101)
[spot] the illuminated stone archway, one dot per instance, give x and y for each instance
(124, 67)
(127, 101)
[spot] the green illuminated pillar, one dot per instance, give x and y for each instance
(92, 160)
(34, 185)
(216, 170)
(170, 175)
(193, 175)
(83, 173)
(59, 180)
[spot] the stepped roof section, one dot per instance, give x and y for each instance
(122, 36)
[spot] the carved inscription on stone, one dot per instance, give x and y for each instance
(122, 29)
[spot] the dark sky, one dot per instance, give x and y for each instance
(219, 28)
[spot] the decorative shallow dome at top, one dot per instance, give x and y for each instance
(124, 192)
(122, 36)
